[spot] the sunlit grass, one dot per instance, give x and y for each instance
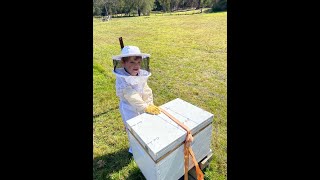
(188, 61)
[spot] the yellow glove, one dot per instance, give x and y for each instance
(152, 109)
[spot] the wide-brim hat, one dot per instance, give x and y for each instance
(130, 51)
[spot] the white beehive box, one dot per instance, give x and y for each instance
(157, 142)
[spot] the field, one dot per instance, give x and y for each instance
(188, 61)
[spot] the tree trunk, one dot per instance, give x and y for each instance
(198, 6)
(105, 7)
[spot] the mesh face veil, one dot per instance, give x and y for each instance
(144, 65)
(124, 77)
(131, 67)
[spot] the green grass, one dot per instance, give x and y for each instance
(181, 12)
(188, 61)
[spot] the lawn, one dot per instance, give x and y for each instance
(188, 61)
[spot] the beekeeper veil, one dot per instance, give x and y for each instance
(122, 74)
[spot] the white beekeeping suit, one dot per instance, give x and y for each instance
(132, 89)
(134, 93)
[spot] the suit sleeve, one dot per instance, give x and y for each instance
(147, 95)
(134, 98)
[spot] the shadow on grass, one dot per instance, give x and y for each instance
(105, 165)
(136, 174)
(115, 17)
(211, 11)
(207, 11)
(114, 162)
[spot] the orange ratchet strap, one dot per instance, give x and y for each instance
(187, 149)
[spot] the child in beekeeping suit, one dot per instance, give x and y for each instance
(131, 68)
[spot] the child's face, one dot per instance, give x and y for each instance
(132, 65)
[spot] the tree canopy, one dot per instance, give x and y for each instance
(144, 7)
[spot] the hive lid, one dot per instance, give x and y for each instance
(158, 134)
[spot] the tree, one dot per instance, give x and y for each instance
(157, 6)
(143, 6)
(97, 7)
(174, 5)
(110, 6)
(219, 5)
(207, 3)
(147, 6)
(191, 3)
(199, 4)
(128, 6)
(165, 5)
(204, 3)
